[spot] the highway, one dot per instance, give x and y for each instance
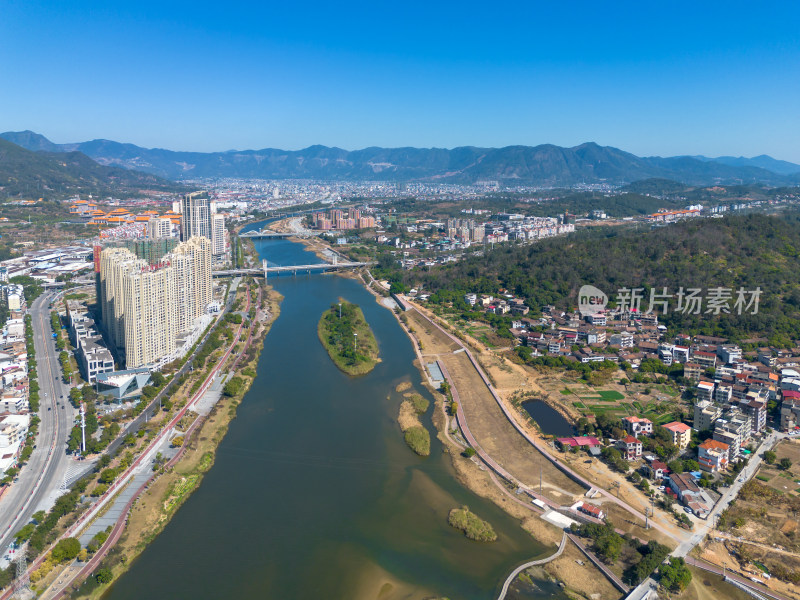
(44, 472)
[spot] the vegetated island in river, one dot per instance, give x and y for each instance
(415, 434)
(471, 524)
(346, 335)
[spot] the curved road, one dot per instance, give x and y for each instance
(45, 469)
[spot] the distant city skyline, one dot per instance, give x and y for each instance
(712, 79)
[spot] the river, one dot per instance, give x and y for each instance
(314, 494)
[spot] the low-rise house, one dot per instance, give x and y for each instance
(707, 360)
(623, 340)
(690, 494)
(631, 447)
(723, 393)
(94, 358)
(598, 320)
(591, 443)
(681, 433)
(705, 391)
(712, 456)
(733, 429)
(755, 407)
(680, 354)
(655, 469)
(706, 413)
(636, 425)
(591, 510)
(790, 410)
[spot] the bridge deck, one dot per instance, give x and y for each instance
(291, 269)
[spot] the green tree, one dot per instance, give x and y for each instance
(66, 549)
(108, 476)
(785, 464)
(675, 576)
(104, 576)
(770, 457)
(25, 533)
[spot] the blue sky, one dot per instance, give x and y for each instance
(652, 78)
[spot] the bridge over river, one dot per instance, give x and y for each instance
(263, 234)
(265, 269)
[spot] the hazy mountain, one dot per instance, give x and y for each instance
(60, 174)
(762, 161)
(539, 165)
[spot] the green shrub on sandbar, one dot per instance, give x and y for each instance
(471, 524)
(419, 440)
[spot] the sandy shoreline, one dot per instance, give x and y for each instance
(582, 580)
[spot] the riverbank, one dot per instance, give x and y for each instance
(320, 248)
(578, 577)
(167, 492)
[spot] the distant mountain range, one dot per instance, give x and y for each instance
(545, 165)
(762, 161)
(61, 174)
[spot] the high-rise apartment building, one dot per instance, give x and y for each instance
(159, 227)
(217, 235)
(145, 307)
(195, 216)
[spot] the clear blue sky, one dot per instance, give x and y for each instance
(651, 77)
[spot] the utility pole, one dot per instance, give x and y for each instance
(83, 429)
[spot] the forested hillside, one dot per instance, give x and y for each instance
(748, 251)
(58, 175)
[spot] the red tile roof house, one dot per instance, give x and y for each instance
(587, 442)
(632, 447)
(591, 510)
(656, 470)
(636, 425)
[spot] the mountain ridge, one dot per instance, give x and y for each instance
(27, 173)
(545, 164)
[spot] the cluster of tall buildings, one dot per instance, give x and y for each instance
(466, 230)
(342, 220)
(153, 291)
(199, 217)
(146, 307)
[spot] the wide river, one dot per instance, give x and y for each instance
(314, 494)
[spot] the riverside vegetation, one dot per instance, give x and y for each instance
(471, 524)
(348, 339)
(174, 484)
(414, 433)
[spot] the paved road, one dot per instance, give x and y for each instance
(44, 473)
(702, 528)
(155, 405)
(757, 587)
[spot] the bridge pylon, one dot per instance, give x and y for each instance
(264, 266)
